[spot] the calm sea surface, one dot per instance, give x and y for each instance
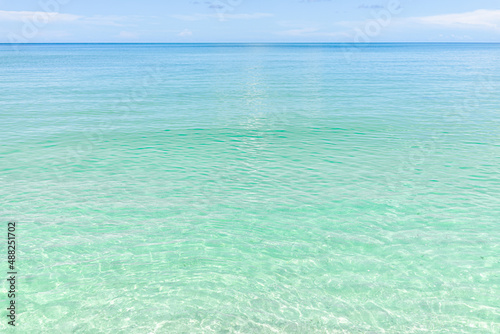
(253, 188)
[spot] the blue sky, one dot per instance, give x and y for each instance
(249, 21)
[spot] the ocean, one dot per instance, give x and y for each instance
(252, 188)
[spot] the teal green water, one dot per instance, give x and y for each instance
(253, 188)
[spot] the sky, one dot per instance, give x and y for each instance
(212, 21)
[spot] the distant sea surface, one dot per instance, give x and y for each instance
(252, 188)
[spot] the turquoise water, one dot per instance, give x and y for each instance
(253, 188)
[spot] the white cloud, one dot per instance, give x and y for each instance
(105, 20)
(38, 17)
(198, 17)
(247, 16)
(185, 33)
(481, 18)
(42, 18)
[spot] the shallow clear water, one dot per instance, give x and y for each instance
(253, 188)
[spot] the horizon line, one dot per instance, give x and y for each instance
(392, 42)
